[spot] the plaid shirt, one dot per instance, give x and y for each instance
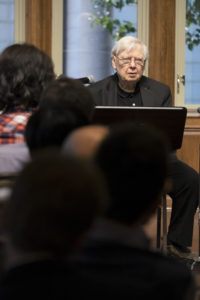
(12, 126)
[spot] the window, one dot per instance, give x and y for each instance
(187, 81)
(6, 23)
(12, 22)
(87, 50)
(192, 56)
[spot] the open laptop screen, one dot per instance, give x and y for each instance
(170, 120)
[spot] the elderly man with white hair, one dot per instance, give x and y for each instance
(129, 87)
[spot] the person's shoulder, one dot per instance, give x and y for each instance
(153, 83)
(101, 83)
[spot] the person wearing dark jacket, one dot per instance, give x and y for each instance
(129, 87)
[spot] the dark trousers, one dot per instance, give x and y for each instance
(185, 200)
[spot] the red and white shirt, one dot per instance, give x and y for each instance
(12, 126)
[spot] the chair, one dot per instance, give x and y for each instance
(162, 215)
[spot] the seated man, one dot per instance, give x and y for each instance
(53, 203)
(128, 87)
(116, 259)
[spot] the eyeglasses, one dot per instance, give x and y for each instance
(128, 60)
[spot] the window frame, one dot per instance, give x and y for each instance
(20, 22)
(180, 52)
(57, 36)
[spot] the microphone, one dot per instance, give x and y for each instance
(88, 79)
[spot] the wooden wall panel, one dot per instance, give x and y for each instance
(189, 152)
(38, 24)
(162, 41)
(162, 68)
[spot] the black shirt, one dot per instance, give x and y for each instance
(129, 99)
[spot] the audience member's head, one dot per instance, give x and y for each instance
(84, 141)
(53, 203)
(48, 127)
(69, 93)
(66, 104)
(134, 161)
(25, 71)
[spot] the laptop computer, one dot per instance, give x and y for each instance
(170, 120)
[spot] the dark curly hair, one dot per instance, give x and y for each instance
(25, 71)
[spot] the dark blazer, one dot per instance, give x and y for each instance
(153, 93)
(114, 270)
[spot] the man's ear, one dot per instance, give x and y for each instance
(114, 62)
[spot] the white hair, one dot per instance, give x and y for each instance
(128, 43)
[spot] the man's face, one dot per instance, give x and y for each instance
(129, 64)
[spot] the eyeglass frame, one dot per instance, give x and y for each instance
(128, 60)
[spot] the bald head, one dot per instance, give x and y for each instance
(85, 140)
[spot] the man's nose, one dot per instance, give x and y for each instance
(132, 63)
